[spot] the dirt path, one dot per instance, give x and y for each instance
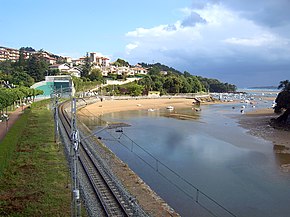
(5, 126)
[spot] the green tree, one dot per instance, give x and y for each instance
(196, 84)
(284, 85)
(282, 103)
(37, 67)
(120, 62)
(96, 75)
(21, 61)
(134, 89)
(158, 82)
(154, 71)
(172, 84)
(6, 67)
(21, 78)
(86, 68)
(187, 74)
(185, 85)
(147, 83)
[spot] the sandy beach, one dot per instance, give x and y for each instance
(110, 106)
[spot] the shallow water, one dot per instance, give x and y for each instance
(214, 154)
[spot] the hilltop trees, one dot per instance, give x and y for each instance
(167, 80)
(214, 85)
(120, 62)
(283, 102)
(176, 82)
(284, 85)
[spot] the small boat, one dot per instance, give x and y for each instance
(170, 107)
(151, 110)
(196, 109)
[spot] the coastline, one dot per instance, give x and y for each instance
(258, 124)
(147, 198)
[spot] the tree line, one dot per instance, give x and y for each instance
(16, 96)
(168, 80)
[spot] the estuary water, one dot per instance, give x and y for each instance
(210, 152)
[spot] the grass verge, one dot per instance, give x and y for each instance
(34, 177)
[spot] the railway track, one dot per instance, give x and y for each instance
(102, 183)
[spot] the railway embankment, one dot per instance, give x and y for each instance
(34, 177)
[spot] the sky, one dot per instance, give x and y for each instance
(243, 42)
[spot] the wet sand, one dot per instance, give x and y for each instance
(258, 124)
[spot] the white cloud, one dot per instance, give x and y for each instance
(221, 35)
(130, 47)
(254, 41)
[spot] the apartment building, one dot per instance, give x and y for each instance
(14, 54)
(99, 60)
(9, 54)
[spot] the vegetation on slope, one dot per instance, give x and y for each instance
(34, 176)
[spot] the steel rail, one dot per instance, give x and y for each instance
(110, 199)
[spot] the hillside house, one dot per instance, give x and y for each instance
(61, 67)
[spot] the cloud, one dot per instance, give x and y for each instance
(217, 38)
(272, 13)
(193, 19)
(258, 41)
(130, 47)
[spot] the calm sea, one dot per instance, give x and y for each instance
(210, 152)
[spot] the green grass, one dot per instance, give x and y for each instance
(34, 177)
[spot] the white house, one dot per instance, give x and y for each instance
(140, 71)
(61, 67)
(75, 71)
(68, 59)
(50, 60)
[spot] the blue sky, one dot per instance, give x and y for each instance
(242, 42)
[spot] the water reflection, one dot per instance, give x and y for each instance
(212, 152)
(282, 157)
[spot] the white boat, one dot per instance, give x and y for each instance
(170, 107)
